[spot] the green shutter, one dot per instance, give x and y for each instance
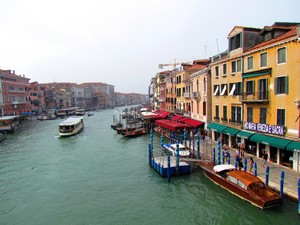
(286, 83)
(275, 85)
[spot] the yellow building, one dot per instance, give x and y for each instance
(254, 89)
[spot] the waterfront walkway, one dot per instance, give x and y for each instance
(291, 177)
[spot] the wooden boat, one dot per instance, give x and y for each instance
(10, 124)
(183, 152)
(135, 133)
(242, 184)
(70, 126)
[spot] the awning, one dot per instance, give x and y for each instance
(193, 123)
(269, 140)
(293, 146)
(230, 131)
(171, 125)
(256, 73)
(244, 134)
(216, 127)
(177, 117)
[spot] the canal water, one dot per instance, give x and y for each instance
(100, 177)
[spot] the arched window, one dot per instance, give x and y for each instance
(204, 84)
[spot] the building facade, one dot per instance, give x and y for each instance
(15, 93)
(254, 87)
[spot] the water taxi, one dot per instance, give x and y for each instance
(183, 152)
(242, 184)
(10, 124)
(79, 112)
(70, 126)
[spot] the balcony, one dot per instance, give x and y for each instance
(258, 97)
(186, 95)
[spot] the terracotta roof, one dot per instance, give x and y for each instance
(292, 31)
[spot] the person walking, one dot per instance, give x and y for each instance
(251, 163)
(265, 157)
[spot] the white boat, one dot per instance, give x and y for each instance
(70, 126)
(183, 152)
(10, 124)
(79, 112)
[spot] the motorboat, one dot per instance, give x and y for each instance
(79, 112)
(135, 133)
(70, 126)
(10, 124)
(242, 184)
(183, 151)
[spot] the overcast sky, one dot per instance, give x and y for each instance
(121, 42)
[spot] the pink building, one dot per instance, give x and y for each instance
(15, 92)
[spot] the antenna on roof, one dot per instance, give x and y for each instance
(217, 46)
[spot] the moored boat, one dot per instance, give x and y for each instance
(242, 184)
(135, 133)
(10, 124)
(183, 152)
(70, 126)
(79, 112)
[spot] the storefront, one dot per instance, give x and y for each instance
(294, 147)
(275, 148)
(216, 130)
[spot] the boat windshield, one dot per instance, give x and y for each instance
(258, 187)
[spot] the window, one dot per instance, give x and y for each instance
(249, 114)
(216, 90)
(204, 108)
(236, 66)
(239, 66)
(250, 87)
(250, 63)
(280, 117)
(281, 55)
(236, 114)
(224, 89)
(204, 84)
(217, 71)
(263, 115)
(235, 89)
(217, 112)
(281, 85)
(233, 66)
(263, 59)
(235, 42)
(224, 113)
(224, 69)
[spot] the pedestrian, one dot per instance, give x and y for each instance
(240, 164)
(251, 163)
(226, 154)
(265, 157)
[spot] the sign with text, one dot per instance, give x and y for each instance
(265, 128)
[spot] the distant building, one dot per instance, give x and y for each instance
(37, 98)
(15, 93)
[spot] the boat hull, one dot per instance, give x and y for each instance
(237, 190)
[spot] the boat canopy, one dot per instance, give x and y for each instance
(245, 177)
(71, 121)
(222, 167)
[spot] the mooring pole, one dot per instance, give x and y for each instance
(169, 169)
(255, 169)
(214, 155)
(150, 153)
(281, 183)
(267, 175)
(228, 159)
(245, 164)
(177, 159)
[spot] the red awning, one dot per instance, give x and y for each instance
(171, 125)
(193, 123)
(183, 119)
(177, 117)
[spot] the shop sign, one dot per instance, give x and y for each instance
(265, 128)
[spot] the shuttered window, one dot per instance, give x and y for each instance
(281, 85)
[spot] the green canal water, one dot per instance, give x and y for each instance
(100, 177)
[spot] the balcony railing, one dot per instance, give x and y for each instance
(235, 121)
(260, 96)
(186, 95)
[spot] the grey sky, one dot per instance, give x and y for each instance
(121, 42)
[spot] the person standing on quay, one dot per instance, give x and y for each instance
(251, 163)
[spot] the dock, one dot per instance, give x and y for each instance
(160, 164)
